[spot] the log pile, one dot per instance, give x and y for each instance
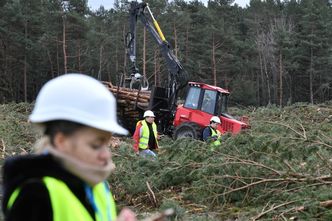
(129, 101)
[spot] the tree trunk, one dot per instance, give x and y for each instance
(291, 88)
(260, 86)
(125, 53)
(275, 79)
(214, 70)
(116, 59)
(51, 63)
(100, 60)
(187, 45)
(144, 52)
(267, 80)
(175, 40)
(25, 62)
(4, 67)
(79, 55)
(280, 79)
(57, 57)
(258, 94)
(311, 74)
(64, 43)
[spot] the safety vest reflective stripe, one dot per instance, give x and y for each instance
(13, 197)
(143, 143)
(67, 207)
(218, 135)
(145, 134)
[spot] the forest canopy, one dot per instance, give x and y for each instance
(272, 52)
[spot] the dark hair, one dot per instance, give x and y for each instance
(63, 126)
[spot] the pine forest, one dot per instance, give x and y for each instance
(272, 52)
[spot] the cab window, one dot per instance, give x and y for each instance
(192, 98)
(209, 101)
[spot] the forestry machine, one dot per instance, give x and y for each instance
(202, 100)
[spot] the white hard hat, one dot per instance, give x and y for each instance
(137, 76)
(77, 98)
(215, 119)
(148, 113)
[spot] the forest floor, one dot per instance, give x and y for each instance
(280, 169)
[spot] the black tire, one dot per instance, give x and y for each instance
(188, 130)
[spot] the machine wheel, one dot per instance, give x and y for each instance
(187, 130)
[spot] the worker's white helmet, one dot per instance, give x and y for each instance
(148, 113)
(215, 119)
(77, 98)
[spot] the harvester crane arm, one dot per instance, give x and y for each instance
(178, 77)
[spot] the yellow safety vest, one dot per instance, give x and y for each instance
(218, 134)
(67, 207)
(145, 134)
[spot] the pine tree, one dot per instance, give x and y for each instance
(313, 40)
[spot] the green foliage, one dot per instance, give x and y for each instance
(16, 133)
(243, 92)
(283, 159)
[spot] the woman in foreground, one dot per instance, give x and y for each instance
(65, 180)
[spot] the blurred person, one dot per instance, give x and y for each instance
(146, 135)
(211, 134)
(65, 180)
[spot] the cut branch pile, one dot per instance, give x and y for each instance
(129, 101)
(278, 170)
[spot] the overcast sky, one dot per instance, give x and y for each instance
(95, 4)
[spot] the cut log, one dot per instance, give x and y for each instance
(130, 102)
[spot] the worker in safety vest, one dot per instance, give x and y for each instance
(211, 134)
(66, 179)
(146, 135)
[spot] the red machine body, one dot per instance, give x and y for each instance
(202, 102)
(203, 119)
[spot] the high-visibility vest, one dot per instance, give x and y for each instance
(67, 207)
(145, 134)
(216, 133)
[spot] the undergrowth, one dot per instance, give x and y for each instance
(280, 169)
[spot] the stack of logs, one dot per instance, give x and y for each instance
(129, 101)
